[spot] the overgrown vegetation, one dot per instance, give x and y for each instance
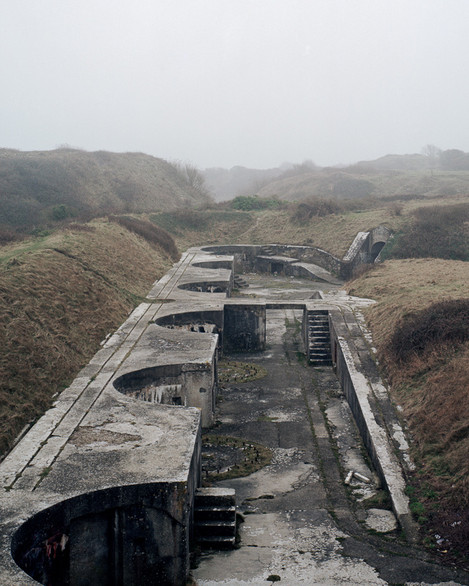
(420, 326)
(150, 232)
(254, 202)
(43, 188)
(444, 324)
(226, 457)
(234, 371)
(437, 232)
(304, 211)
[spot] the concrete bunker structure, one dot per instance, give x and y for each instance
(101, 489)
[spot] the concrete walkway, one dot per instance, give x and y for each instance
(301, 524)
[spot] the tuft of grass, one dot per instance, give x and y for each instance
(234, 371)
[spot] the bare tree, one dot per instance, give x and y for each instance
(193, 177)
(432, 153)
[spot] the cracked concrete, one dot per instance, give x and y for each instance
(99, 449)
(296, 528)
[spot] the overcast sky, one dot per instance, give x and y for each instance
(236, 82)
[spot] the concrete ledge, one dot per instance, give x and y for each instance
(355, 383)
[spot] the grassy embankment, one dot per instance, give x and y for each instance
(60, 296)
(422, 338)
(292, 223)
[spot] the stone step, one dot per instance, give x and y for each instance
(240, 283)
(215, 528)
(320, 362)
(215, 517)
(217, 542)
(214, 497)
(214, 514)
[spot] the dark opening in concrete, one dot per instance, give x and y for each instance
(205, 287)
(126, 536)
(375, 250)
(159, 384)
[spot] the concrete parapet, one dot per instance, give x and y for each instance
(354, 378)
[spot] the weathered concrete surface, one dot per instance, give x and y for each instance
(300, 522)
(102, 458)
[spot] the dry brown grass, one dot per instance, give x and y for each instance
(60, 296)
(431, 383)
(333, 233)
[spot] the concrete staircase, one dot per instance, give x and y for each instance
(240, 283)
(215, 517)
(319, 338)
(267, 251)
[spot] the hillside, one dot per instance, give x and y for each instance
(292, 223)
(420, 327)
(225, 184)
(40, 187)
(61, 295)
(438, 173)
(357, 181)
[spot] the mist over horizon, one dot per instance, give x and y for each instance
(222, 84)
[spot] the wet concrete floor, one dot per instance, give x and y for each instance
(301, 524)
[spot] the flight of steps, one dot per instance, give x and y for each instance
(239, 282)
(319, 338)
(215, 517)
(267, 251)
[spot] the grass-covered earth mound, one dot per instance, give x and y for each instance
(61, 295)
(420, 326)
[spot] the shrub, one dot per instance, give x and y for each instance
(306, 210)
(436, 232)
(7, 234)
(443, 323)
(254, 202)
(62, 212)
(152, 233)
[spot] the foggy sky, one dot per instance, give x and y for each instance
(235, 82)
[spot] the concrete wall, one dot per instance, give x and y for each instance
(106, 481)
(368, 414)
(364, 249)
(135, 536)
(187, 385)
(244, 328)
